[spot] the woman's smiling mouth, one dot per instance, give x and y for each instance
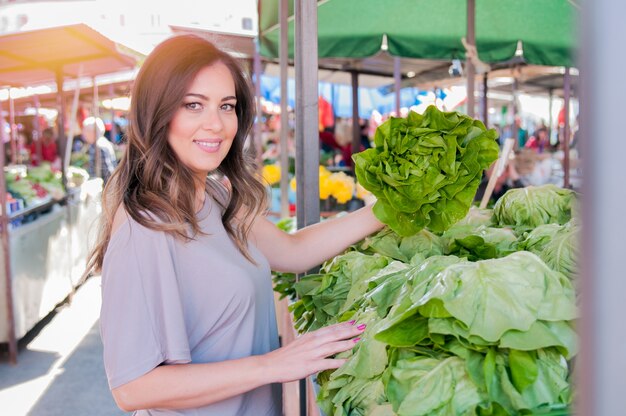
(209, 146)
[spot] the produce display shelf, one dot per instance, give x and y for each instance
(48, 244)
(42, 205)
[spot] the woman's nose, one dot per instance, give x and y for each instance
(213, 121)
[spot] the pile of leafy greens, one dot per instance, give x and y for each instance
(387, 243)
(459, 338)
(479, 242)
(284, 282)
(535, 205)
(322, 296)
(477, 320)
(557, 245)
(468, 312)
(425, 169)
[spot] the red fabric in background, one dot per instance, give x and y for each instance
(48, 152)
(326, 118)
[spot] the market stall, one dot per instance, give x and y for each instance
(45, 236)
(489, 34)
(499, 31)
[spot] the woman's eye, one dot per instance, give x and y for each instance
(228, 107)
(193, 106)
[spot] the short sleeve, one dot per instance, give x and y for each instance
(142, 321)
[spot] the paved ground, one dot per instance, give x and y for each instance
(59, 372)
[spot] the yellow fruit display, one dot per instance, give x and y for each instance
(271, 174)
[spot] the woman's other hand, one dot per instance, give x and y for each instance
(308, 354)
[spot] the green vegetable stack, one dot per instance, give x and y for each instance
(425, 169)
(39, 183)
(474, 321)
(533, 206)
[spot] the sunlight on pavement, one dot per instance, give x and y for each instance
(59, 338)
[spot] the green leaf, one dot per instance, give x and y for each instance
(491, 297)
(427, 386)
(524, 370)
(406, 334)
(543, 334)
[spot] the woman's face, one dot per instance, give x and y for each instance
(204, 126)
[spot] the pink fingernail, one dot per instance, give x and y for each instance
(361, 327)
(356, 340)
(352, 322)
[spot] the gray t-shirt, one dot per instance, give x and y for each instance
(167, 302)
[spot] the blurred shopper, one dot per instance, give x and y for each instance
(539, 141)
(48, 149)
(187, 320)
(522, 133)
(93, 136)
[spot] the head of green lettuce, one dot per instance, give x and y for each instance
(425, 169)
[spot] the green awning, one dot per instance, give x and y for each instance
(432, 29)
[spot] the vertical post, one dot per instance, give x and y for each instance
(550, 118)
(284, 114)
(601, 363)
(356, 127)
(397, 80)
(469, 65)
(96, 114)
(38, 144)
(566, 132)
(66, 151)
(13, 126)
(514, 109)
(307, 129)
(4, 236)
(256, 67)
(65, 143)
(333, 104)
(485, 100)
(291, 395)
(113, 126)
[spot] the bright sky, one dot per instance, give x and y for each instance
(145, 22)
(137, 24)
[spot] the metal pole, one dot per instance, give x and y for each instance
(550, 104)
(113, 126)
(469, 65)
(356, 126)
(96, 114)
(284, 114)
(514, 130)
(13, 127)
(397, 79)
(258, 140)
(65, 143)
(600, 366)
(307, 129)
(4, 235)
(333, 104)
(66, 153)
(485, 100)
(566, 94)
(38, 144)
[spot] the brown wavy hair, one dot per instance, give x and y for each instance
(151, 179)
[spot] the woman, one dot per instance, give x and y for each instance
(187, 320)
(48, 148)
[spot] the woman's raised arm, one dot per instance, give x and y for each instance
(312, 245)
